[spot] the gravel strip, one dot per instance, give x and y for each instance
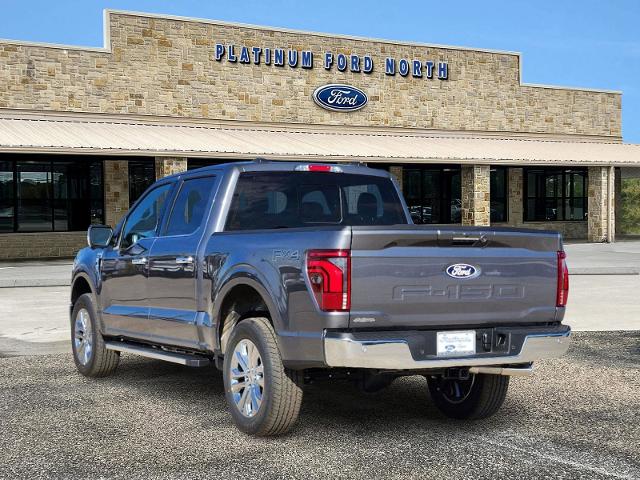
(577, 417)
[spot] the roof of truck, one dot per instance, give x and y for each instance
(263, 165)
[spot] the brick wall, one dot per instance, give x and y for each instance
(41, 245)
(167, 67)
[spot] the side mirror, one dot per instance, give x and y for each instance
(99, 235)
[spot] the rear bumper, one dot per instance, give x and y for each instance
(398, 350)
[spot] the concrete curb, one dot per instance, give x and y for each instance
(42, 282)
(604, 271)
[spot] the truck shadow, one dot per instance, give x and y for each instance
(338, 405)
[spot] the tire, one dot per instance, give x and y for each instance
(479, 397)
(90, 355)
(272, 394)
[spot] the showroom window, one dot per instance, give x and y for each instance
(498, 197)
(433, 194)
(555, 194)
(142, 173)
(49, 194)
(7, 200)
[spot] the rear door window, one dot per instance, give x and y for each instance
(190, 207)
(271, 200)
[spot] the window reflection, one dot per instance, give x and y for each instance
(6, 197)
(142, 173)
(44, 194)
(555, 194)
(498, 195)
(433, 194)
(34, 197)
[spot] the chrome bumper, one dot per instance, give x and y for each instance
(394, 354)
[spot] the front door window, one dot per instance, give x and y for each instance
(144, 219)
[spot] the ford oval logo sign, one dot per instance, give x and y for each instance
(462, 270)
(340, 98)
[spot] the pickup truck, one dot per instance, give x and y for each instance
(282, 273)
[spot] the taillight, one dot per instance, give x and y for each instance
(562, 293)
(329, 274)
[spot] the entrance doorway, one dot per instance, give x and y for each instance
(433, 193)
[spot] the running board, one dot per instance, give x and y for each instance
(173, 357)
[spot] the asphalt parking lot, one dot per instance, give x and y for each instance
(577, 417)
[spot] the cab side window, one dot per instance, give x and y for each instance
(190, 206)
(143, 220)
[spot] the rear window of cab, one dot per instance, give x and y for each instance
(270, 200)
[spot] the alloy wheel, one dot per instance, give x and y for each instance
(247, 378)
(83, 336)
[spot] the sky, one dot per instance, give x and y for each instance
(584, 43)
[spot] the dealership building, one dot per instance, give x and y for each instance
(83, 131)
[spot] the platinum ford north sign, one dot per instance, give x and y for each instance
(340, 98)
(305, 59)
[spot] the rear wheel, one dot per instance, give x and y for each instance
(264, 397)
(476, 397)
(91, 357)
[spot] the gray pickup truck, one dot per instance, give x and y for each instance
(283, 273)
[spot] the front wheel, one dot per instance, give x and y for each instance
(89, 351)
(264, 397)
(479, 396)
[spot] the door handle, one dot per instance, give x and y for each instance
(184, 260)
(139, 261)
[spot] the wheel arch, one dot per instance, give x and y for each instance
(247, 297)
(81, 284)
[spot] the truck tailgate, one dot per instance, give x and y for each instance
(419, 276)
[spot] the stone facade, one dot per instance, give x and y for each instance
(166, 166)
(515, 207)
(618, 201)
(396, 171)
(598, 220)
(475, 194)
(116, 190)
(163, 66)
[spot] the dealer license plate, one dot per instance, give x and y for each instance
(455, 344)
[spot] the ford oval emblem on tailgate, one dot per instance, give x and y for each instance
(340, 98)
(462, 270)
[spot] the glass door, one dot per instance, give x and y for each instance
(433, 194)
(34, 197)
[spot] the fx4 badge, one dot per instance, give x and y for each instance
(283, 254)
(462, 270)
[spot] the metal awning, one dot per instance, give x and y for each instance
(100, 135)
